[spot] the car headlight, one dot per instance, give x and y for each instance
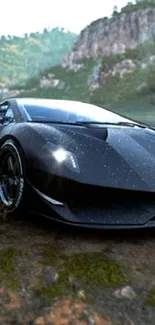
(65, 157)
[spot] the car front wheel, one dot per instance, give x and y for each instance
(12, 176)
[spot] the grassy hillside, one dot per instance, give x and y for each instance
(24, 57)
(73, 85)
(129, 95)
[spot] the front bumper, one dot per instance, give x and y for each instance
(122, 211)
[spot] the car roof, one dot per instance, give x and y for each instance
(55, 103)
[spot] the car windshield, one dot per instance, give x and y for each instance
(69, 112)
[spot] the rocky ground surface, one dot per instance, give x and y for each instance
(51, 274)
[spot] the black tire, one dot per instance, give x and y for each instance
(12, 177)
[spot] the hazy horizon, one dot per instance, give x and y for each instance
(32, 16)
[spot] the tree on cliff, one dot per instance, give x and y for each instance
(115, 11)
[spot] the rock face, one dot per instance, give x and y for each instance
(110, 36)
(49, 83)
(99, 75)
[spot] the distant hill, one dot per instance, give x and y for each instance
(25, 57)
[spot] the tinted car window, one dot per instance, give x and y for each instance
(3, 109)
(9, 116)
(40, 113)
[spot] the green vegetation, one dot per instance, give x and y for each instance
(73, 85)
(151, 298)
(122, 89)
(130, 96)
(134, 93)
(88, 268)
(6, 260)
(133, 7)
(110, 61)
(140, 53)
(7, 268)
(130, 7)
(24, 57)
(151, 79)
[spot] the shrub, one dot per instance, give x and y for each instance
(110, 61)
(133, 54)
(151, 79)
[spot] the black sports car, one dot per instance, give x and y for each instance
(77, 163)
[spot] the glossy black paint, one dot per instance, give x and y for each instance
(115, 184)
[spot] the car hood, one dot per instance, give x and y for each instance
(117, 157)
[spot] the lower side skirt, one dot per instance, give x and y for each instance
(150, 224)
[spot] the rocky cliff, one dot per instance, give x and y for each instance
(111, 36)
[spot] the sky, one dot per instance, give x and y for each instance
(25, 16)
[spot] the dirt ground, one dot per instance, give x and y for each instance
(51, 274)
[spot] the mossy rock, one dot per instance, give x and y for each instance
(92, 269)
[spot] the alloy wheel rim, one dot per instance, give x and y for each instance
(10, 177)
